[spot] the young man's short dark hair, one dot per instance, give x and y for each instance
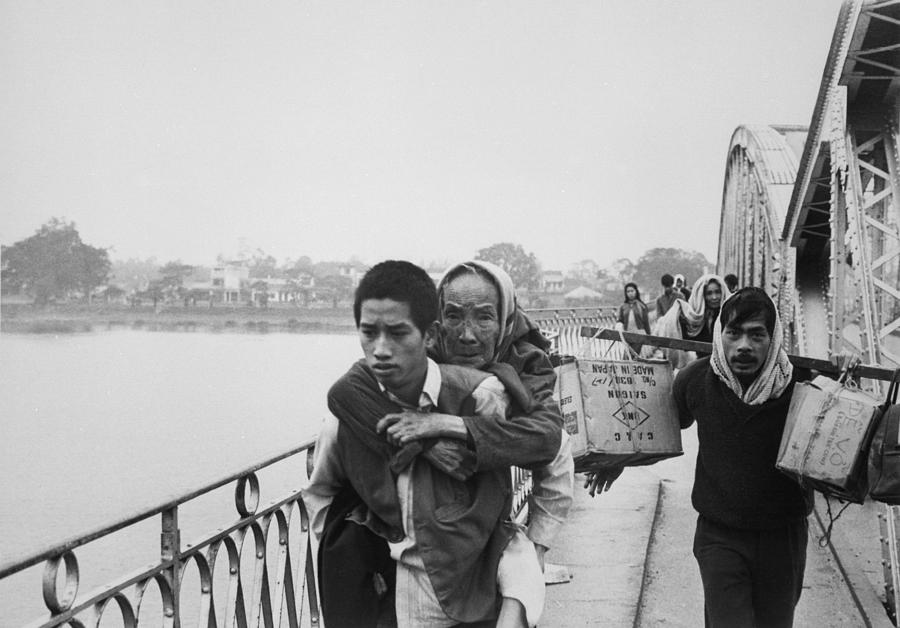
(667, 280)
(745, 304)
(403, 282)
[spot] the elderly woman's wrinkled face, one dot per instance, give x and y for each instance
(713, 295)
(470, 320)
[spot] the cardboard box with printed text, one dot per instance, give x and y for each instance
(618, 412)
(826, 437)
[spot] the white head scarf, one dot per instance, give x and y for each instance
(772, 380)
(693, 311)
(506, 292)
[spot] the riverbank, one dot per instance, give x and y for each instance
(78, 318)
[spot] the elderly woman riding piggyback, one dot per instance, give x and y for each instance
(482, 327)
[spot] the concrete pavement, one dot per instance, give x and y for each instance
(604, 546)
(629, 556)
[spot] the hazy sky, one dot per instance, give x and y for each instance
(416, 130)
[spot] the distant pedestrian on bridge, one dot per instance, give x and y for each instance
(751, 535)
(681, 286)
(666, 300)
(731, 281)
(693, 319)
(633, 313)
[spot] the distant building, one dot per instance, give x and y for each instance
(353, 271)
(305, 280)
(227, 281)
(552, 282)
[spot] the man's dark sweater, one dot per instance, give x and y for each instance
(736, 482)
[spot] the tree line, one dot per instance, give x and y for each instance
(55, 264)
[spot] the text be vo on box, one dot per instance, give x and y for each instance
(826, 437)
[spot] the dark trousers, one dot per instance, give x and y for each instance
(751, 578)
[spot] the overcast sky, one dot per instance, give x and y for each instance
(415, 130)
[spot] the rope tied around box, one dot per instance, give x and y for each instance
(849, 362)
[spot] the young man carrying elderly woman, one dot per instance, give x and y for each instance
(411, 483)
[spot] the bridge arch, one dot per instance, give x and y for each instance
(813, 217)
(816, 221)
(759, 179)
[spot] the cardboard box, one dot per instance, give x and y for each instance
(826, 438)
(618, 412)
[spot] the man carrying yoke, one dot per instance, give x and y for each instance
(751, 535)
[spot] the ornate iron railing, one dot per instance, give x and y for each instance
(267, 579)
(254, 571)
(562, 326)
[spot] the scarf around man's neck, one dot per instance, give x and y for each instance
(772, 380)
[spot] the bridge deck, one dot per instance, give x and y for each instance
(629, 556)
(604, 545)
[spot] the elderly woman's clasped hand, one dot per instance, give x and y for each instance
(402, 428)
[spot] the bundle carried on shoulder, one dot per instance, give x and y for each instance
(826, 438)
(618, 412)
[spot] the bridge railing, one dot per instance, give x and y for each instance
(563, 327)
(254, 570)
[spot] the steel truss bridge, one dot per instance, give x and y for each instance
(812, 214)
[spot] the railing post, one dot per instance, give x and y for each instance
(170, 552)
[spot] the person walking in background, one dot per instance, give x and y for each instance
(681, 286)
(633, 313)
(693, 319)
(665, 301)
(751, 535)
(731, 281)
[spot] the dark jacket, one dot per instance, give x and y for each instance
(530, 436)
(641, 315)
(527, 438)
(736, 482)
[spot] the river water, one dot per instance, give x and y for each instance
(96, 426)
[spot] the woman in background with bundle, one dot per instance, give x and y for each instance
(693, 319)
(633, 314)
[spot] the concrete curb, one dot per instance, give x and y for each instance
(861, 590)
(640, 600)
(604, 544)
